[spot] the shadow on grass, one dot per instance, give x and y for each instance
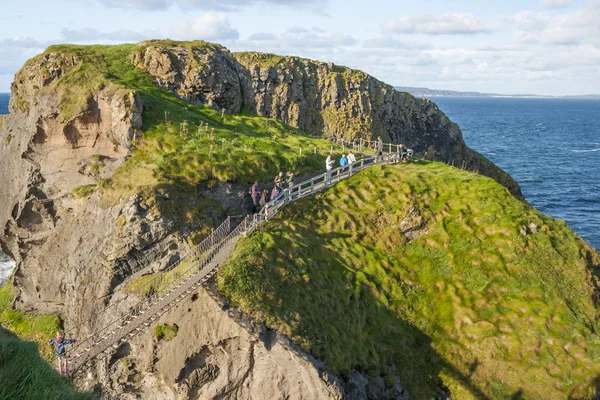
(332, 309)
(25, 375)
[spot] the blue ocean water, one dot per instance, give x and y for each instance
(4, 97)
(551, 147)
(6, 264)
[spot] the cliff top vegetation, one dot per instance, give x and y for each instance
(181, 142)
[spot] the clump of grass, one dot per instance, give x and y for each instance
(7, 140)
(468, 299)
(165, 332)
(25, 375)
(84, 190)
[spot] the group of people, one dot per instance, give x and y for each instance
(344, 161)
(260, 198)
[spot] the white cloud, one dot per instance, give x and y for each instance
(93, 35)
(301, 39)
(387, 42)
(579, 26)
(208, 26)
(443, 24)
(261, 36)
(556, 3)
(217, 5)
(21, 42)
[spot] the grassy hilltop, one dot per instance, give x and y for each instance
(492, 309)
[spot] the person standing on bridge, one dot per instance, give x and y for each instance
(290, 178)
(379, 147)
(59, 343)
(255, 194)
(264, 199)
(279, 179)
(328, 167)
(343, 162)
(351, 160)
(275, 192)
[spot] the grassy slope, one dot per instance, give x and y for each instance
(234, 148)
(472, 301)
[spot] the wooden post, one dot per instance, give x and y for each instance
(315, 150)
(300, 150)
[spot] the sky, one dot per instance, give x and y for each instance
(548, 47)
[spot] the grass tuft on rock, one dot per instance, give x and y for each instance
(165, 332)
(432, 271)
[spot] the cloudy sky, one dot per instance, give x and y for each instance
(526, 46)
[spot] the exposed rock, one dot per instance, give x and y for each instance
(211, 357)
(205, 75)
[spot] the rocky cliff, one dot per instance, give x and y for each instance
(82, 219)
(317, 97)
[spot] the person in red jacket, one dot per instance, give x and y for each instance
(59, 343)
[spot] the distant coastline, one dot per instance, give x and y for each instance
(426, 92)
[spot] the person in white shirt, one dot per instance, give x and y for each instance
(329, 166)
(351, 160)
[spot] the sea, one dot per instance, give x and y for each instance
(551, 147)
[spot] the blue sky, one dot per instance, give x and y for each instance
(531, 46)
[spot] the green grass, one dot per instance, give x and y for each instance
(231, 148)
(24, 375)
(165, 332)
(31, 327)
(469, 300)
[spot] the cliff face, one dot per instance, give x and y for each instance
(58, 240)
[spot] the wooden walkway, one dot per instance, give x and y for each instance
(168, 288)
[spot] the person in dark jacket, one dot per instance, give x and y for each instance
(379, 147)
(59, 343)
(255, 194)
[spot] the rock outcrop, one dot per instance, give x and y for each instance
(212, 356)
(316, 97)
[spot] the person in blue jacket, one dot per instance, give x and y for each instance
(343, 161)
(59, 343)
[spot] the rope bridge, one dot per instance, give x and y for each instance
(165, 290)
